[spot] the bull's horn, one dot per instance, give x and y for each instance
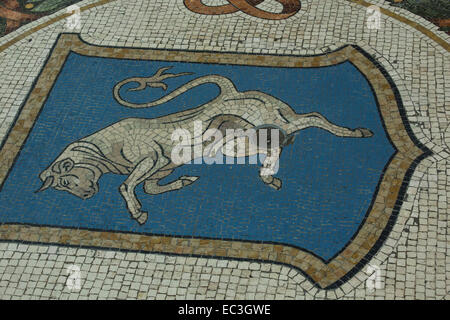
(47, 184)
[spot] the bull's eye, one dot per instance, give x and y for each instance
(64, 182)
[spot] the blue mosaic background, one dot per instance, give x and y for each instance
(328, 182)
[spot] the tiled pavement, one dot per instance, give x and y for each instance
(412, 261)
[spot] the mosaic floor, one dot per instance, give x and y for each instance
(239, 149)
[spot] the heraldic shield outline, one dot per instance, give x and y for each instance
(325, 273)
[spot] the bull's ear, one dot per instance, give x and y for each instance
(63, 166)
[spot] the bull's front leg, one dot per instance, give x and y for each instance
(145, 169)
(269, 169)
(152, 186)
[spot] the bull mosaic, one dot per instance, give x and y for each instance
(141, 148)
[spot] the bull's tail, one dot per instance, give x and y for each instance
(155, 81)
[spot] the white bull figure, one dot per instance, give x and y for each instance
(142, 148)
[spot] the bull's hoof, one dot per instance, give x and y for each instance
(276, 184)
(363, 132)
(187, 180)
(271, 181)
(142, 218)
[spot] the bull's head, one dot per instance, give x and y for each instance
(66, 175)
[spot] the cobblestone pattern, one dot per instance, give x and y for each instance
(414, 259)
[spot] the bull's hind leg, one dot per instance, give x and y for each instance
(269, 169)
(298, 122)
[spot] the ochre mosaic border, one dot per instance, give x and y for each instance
(324, 274)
